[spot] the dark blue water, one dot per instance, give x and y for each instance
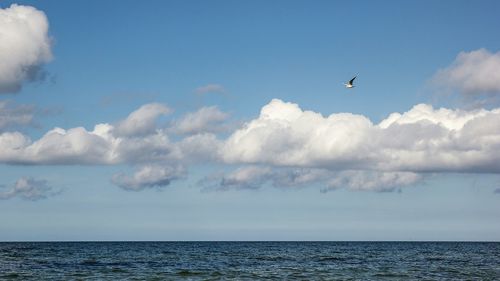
(249, 261)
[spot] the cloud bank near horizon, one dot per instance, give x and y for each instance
(284, 146)
(24, 48)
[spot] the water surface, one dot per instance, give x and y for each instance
(249, 260)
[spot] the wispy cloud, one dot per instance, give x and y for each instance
(372, 180)
(210, 88)
(254, 177)
(250, 177)
(25, 46)
(12, 115)
(28, 188)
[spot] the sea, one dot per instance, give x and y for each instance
(249, 261)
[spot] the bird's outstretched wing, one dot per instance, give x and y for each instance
(352, 80)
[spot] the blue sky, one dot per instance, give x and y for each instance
(231, 172)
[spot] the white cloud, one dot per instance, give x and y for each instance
(142, 121)
(284, 135)
(14, 115)
(77, 146)
(148, 176)
(421, 140)
(206, 119)
(422, 113)
(143, 143)
(59, 146)
(475, 75)
(210, 88)
(29, 189)
(24, 46)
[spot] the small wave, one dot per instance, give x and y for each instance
(216, 274)
(329, 258)
(89, 262)
(79, 274)
(11, 275)
(390, 274)
(435, 258)
(118, 270)
(186, 272)
(272, 258)
(119, 264)
(169, 252)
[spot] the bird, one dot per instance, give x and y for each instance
(349, 84)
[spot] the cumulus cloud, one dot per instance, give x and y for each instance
(24, 46)
(59, 146)
(142, 143)
(12, 115)
(474, 75)
(148, 176)
(206, 119)
(142, 121)
(28, 188)
(210, 88)
(423, 139)
(77, 146)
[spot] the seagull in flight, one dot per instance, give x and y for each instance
(349, 84)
